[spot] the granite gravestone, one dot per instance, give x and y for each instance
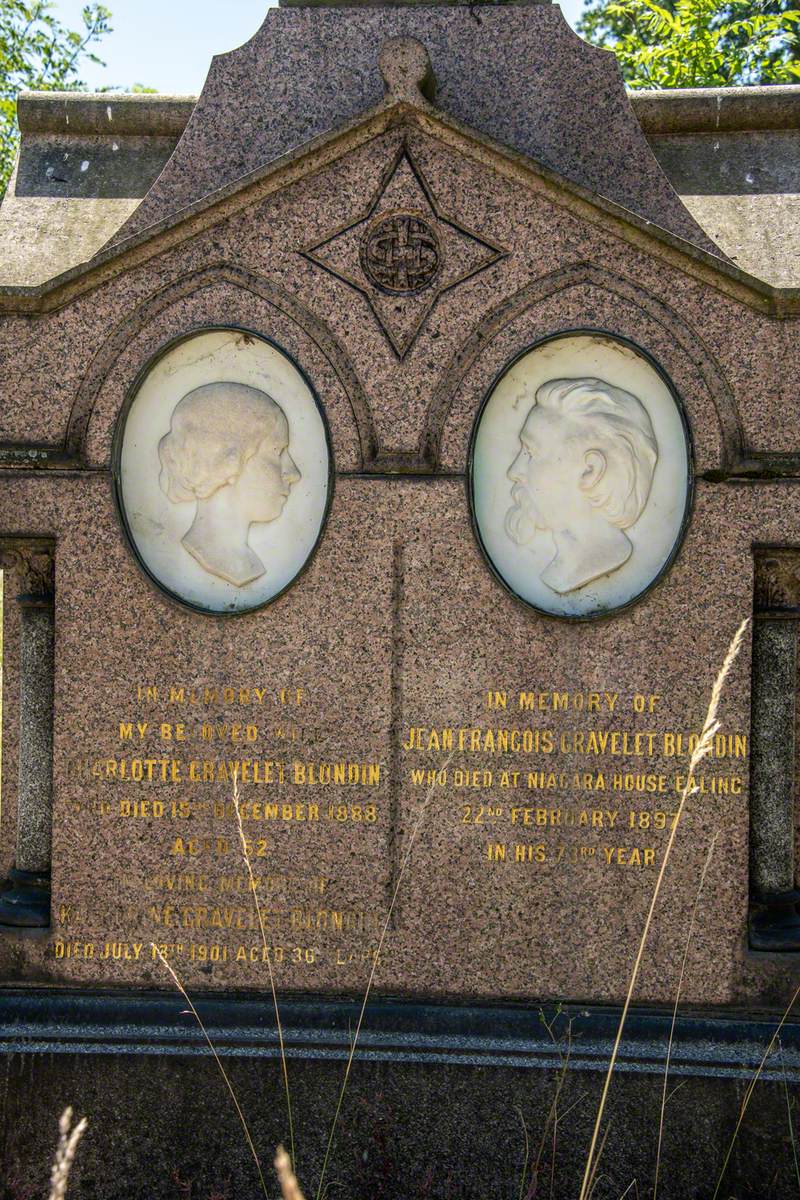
(393, 473)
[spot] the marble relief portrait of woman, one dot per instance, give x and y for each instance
(223, 472)
(580, 480)
(227, 449)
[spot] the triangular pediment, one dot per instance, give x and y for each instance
(469, 250)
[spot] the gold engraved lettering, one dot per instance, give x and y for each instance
(351, 774)
(630, 782)
(593, 702)
(715, 785)
(182, 883)
(260, 954)
(530, 853)
(428, 778)
(480, 741)
(121, 951)
(546, 781)
(73, 949)
(196, 847)
(334, 921)
(629, 856)
(171, 733)
(725, 745)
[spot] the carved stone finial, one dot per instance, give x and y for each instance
(33, 561)
(777, 581)
(407, 72)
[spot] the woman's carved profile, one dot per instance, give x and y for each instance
(227, 449)
(583, 474)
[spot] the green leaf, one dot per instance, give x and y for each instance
(37, 52)
(697, 43)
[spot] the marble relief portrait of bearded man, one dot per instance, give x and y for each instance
(580, 475)
(583, 475)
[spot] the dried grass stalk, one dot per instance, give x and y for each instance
(290, 1188)
(218, 1061)
(703, 748)
(377, 958)
(751, 1087)
(792, 1137)
(268, 957)
(674, 1022)
(65, 1153)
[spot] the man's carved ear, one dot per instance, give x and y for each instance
(594, 469)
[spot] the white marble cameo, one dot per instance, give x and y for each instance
(223, 471)
(580, 475)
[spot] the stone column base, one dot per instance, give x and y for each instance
(25, 900)
(775, 925)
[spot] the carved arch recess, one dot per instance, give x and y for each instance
(195, 302)
(522, 320)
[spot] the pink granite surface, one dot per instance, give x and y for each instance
(410, 630)
(398, 621)
(518, 74)
(55, 364)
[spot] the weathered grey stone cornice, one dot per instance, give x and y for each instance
(683, 110)
(103, 113)
(718, 110)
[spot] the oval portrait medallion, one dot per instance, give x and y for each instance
(222, 470)
(580, 475)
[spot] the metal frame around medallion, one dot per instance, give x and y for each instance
(603, 614)
(116, 460)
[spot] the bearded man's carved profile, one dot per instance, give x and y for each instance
(583, 474)
(227, 449)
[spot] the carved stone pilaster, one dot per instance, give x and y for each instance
(25, 902)
(33, 562)
(776, 584)
(775, 921)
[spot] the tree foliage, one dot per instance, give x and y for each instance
(38, 53)
(698, 43)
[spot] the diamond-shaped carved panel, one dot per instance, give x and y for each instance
(404, 253)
